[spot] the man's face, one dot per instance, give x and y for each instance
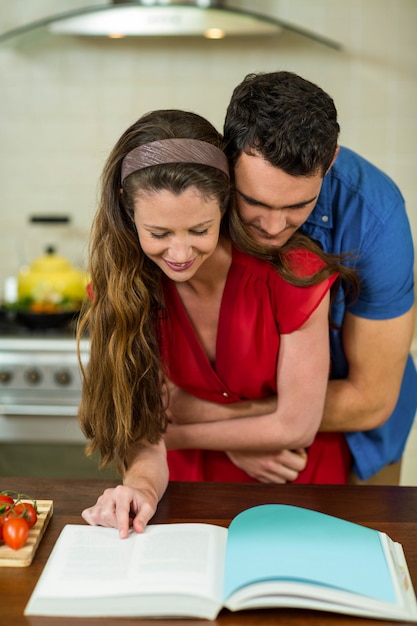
(271, 203)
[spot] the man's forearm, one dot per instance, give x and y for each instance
(376, 351)
(349, 408)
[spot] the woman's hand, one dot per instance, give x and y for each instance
(122, 507)
(133, 503)
(280, 467)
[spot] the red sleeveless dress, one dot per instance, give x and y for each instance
(258, 306)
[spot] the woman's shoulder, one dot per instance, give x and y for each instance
(304, 262)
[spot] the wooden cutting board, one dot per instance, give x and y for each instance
(24, 556)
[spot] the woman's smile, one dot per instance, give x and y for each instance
(179, 267)
(178, 232)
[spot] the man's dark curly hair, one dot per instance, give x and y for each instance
(290, 121)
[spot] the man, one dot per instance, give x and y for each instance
(290, 174)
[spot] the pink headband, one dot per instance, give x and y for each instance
(174, 151)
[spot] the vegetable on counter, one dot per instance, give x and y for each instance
(18, 514)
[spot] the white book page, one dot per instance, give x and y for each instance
(92, 561)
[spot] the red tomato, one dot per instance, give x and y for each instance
(4, 509)
(15, 532)
(25, 510)
(5, 499)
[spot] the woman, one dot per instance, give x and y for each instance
(165, 283)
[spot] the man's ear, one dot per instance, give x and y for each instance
(336, 152)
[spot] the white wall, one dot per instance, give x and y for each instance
(65, 100)
(409, 464)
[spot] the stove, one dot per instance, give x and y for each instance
(40, 383)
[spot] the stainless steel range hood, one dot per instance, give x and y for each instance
(144, 18)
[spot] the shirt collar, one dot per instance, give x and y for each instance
(322, 214)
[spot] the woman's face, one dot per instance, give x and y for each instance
(177, 232)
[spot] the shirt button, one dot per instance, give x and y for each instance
(225, 394)
(325, 218)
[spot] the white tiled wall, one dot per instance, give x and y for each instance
(65, 100)
(409, 464)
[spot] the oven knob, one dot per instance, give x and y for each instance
(63, 377)
(5, 376)
(33, 376)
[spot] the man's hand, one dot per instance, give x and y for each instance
(281, 467)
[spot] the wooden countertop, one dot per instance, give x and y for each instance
(389, 509)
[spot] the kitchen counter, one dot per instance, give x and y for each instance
(389, 509)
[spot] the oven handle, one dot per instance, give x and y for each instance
(29, 410)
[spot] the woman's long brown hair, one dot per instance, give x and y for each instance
(121, 401)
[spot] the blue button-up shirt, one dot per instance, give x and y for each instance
(361, 211)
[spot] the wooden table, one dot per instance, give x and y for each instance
(389, 509)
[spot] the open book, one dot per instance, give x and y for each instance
(273, 555)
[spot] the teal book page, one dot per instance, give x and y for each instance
(282, 542)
